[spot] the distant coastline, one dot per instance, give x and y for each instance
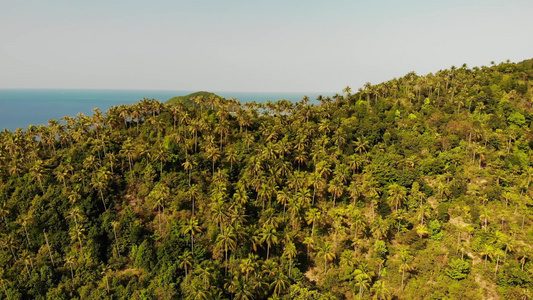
(20, 108)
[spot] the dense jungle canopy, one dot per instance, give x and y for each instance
(419, 187)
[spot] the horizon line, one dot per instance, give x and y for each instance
(166, 90)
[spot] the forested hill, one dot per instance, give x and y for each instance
(419, 187)
(189, 100)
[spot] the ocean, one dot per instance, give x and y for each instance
(20, 108)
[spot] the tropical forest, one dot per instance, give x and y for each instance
(414, 188)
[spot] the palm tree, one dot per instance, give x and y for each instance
(226, 240)
(191, 227)
(487, 251)
(193, 192)
(309, 242)
(357, 219)
(105, 272)
(129, 151)
(291, 252)
(187, 166)
(362, 281)
(312, 215)
(23, 221)
(231, 157)
(159, 195)
(240, 289)
(355, 190)
(360, 145)
(269, 236)
(317, 182)
(380, 291)
(397, 194)
(4, 211)
(213, 153)
(206, 272)
(196, 290)
(70, 261)
(336, 188)
(115, 225)
(37, 172)
(100, 182)
(405, 258)
(280, 283)
(185, 262)
(162, 154)
(77, 234)
(8, 241)
(325, 251)
(380, 227)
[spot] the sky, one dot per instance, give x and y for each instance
(253, 45)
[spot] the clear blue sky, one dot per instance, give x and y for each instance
(252, 45)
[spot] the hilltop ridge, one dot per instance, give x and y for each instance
(189, 99)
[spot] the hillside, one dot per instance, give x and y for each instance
(418, 187)
(188, 100)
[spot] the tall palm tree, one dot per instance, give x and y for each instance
(397, 195)
(159, 195)
(291, 252)
(226, 240)
(312, 215)
(191, 227)
(325, 251)
(100, 181)
(405, 260)
(37, 172)
(70, 261)
(361, 282)
(185, 262)
(115, 225)
(336, 188)
(269, 236)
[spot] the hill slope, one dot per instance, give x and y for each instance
(189, 99)
(419, 187)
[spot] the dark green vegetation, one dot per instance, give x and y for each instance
(419, 187)
(188, 100)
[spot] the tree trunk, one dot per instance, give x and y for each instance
(403, 275)
(192, 242)
(116, 240)
(27, 237)
(102, 197)
(49, 251)
(290, 266)
(159, 217)
(497, 265)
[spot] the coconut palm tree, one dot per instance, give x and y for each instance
(269, 236)
(397, 195)
(325, 251)
(380, 291)
(191, 227)
(291, 252)
(226, 240)
(405, 262)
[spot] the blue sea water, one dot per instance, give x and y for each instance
(20, 108)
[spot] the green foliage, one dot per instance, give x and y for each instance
(435, 232)
(188, 100)
(373, 195)
(458, 269)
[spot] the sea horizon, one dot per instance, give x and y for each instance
(22, 107)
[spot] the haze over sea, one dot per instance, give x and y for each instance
(20, 108)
